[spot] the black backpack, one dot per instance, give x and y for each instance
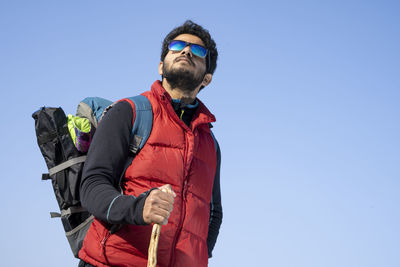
(65, 162)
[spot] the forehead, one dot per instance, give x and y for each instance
(190, 38)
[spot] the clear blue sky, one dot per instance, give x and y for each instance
(306, 95)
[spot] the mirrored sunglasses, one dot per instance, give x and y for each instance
(197, 50)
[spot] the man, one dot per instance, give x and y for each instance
(180, 154)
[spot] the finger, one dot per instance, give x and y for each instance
(158, 194)
(159, 201)
(160, 217)
(167, 188)
(163, 205)
(163, 202)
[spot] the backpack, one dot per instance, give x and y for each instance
(65, 162)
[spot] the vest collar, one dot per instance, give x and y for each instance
(202, 116)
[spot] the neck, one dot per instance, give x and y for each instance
(185, 96)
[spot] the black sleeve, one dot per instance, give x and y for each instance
(215, 208)
(105, 163)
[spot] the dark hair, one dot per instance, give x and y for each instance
(189, 27)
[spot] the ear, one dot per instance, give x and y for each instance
(207, 79)
(160, 68)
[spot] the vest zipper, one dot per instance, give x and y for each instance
(180, 225)
(184, 198)
(183, 213)
(103, 246)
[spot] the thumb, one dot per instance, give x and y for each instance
(167, 189)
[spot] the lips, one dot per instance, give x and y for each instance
(184, 59)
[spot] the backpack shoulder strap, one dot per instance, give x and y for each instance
(143, 124)
(141, 129)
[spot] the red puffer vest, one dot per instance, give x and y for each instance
(174, 154)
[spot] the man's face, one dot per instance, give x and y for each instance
(182, 69)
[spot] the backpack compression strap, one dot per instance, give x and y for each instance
(66, 164)
(63, 166)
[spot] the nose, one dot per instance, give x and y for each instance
(187, 51)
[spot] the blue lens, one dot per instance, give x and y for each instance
(198, 50)
(176, 45)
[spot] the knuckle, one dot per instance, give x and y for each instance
(153, 201)
(150, 199)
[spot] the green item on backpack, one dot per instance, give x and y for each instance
(81, 132)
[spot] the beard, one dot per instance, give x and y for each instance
(182, 78)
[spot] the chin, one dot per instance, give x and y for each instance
(182, 70)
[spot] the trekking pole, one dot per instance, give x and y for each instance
(155, 236)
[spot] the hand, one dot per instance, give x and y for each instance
(158, 205)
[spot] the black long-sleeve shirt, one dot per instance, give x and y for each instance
(106, 160)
